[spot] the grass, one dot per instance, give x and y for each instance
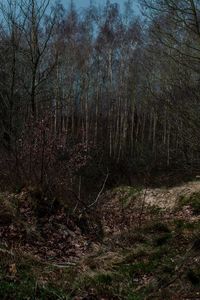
(132, 273)
(193, 201)
(156, 261)
(127, 194)
(25, 286)
(33, 279)
(148, 267)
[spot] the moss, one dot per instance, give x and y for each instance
(127, 194)
(182, 224)
(155, 210)
(193, 201)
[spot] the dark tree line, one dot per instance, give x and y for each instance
(123, 89)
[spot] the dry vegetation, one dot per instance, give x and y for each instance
(144, 251)
(99, 144)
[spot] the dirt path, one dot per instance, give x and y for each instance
(167, 198)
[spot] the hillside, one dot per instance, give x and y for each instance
(147, 246)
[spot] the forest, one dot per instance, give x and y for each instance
(99, 150)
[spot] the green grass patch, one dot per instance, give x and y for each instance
(182, 224)
(127, 194)
(193, 201)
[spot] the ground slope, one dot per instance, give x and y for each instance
(149, 248)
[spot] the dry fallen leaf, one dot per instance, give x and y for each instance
(12, 269)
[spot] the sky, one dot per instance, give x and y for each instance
(85, 3)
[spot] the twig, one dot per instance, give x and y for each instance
(77, 198)
(100, 192)
(64, 265)
(6, 252)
